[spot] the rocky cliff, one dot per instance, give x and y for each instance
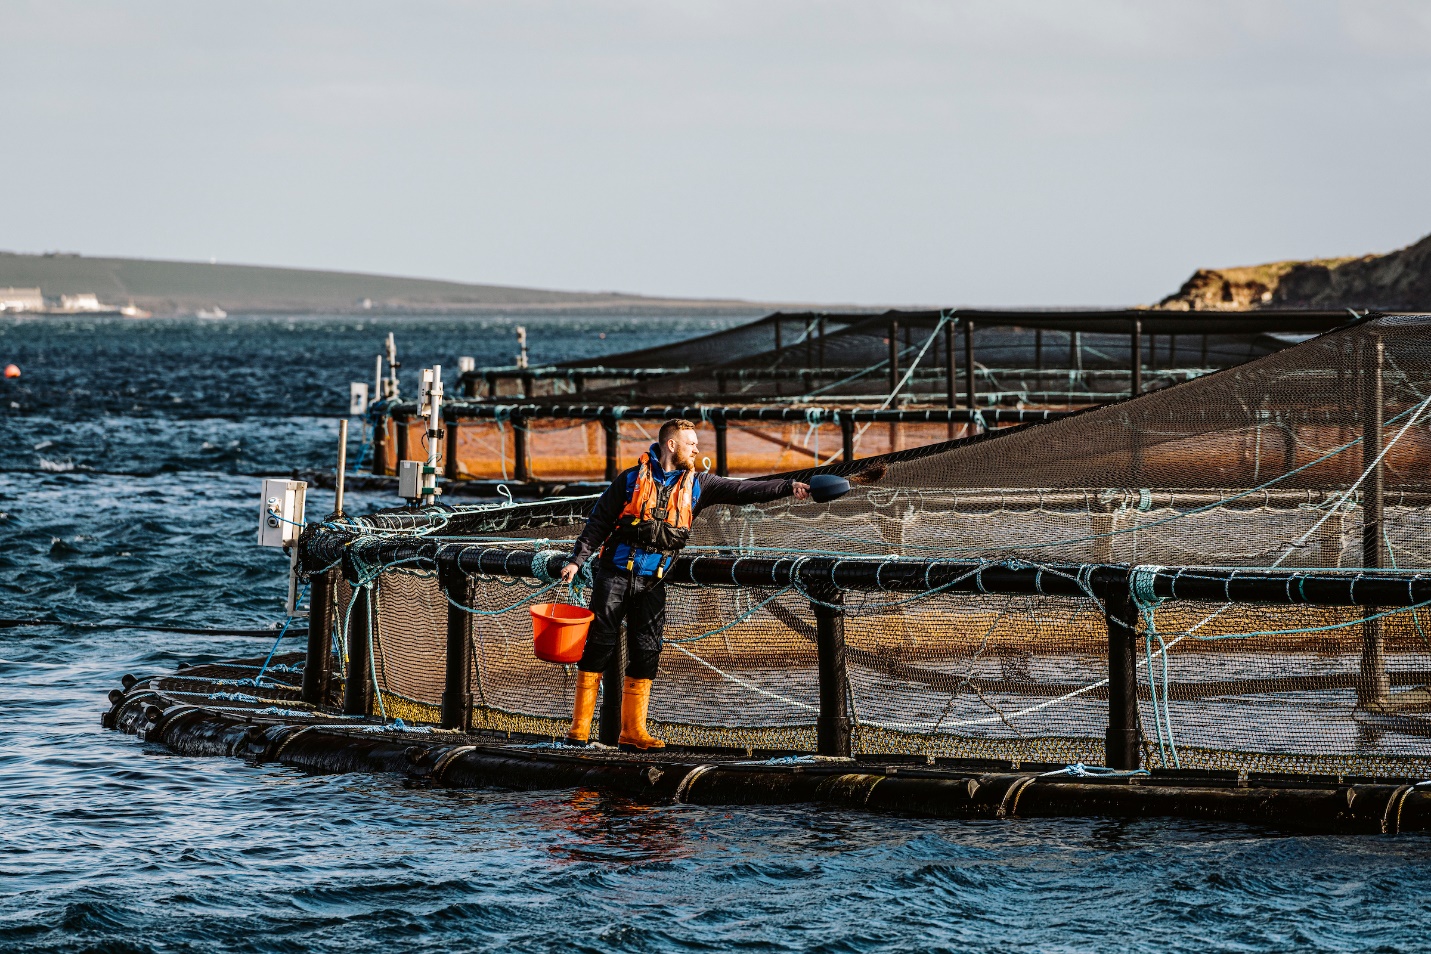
(1396, 281)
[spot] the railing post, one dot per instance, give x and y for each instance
(456, 692)
(613, 444)
(449, 455)
(832, 729)
(893, 357)
(1374, 687)
(358, 693)
(847, 437)
(970, 385)
(317, 665)
(722, 461)
(950, 365)
(1123, 743)
(519, 448)
(1136, 366)
(609, 732)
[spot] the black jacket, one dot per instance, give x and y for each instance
(713, 490)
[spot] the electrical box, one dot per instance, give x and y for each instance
(280, 513)
(465, 364)
(410, 479)
(357, 399)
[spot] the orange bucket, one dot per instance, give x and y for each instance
(559, 631)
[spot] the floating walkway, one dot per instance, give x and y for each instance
(199, 711)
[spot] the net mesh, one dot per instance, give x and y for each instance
(1276, 463)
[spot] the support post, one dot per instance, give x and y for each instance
(1374, 687)
(970, 385)
(519, 448)
(1038, 349)
(613, 444)
(609, 732)
(893, 357)
(822, 343)
(832, 728)
(449, 455)
(847, 437)
(1123, 741)
(456, 692)
(1136, 366)
(950, 366)
(318, 663)
(722, 461)
(358, 693)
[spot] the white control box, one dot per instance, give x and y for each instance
(280, 512)
(410, 479)
(357, 399)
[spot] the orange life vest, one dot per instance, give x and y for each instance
(657, 518)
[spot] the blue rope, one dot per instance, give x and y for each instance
(258, 680)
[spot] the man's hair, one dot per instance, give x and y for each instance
(671, 428)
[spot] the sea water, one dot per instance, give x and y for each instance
(128, 451)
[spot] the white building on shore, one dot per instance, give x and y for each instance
(21, 299)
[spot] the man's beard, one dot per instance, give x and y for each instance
(685, 459)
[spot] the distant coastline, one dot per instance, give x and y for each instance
(169, 288)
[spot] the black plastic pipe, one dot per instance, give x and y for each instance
(1123, 740)
(456, 694)
(358, 691)
(832, 727)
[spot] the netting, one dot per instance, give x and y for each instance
(1312, 457)
(1013, 366)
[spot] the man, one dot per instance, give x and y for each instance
(638, 526)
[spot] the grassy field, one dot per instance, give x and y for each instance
(184, 287)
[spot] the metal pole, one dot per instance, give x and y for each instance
(317, 664)
(832, 728)
(893, 357)
(847, 437)
(456, 694)
(1123, 742)
(722, 461)
(1136, 347)
(358, 693)
(613, 444)
(342, 467)
(1375, 686)
(971, 386)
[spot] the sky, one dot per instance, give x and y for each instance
(1069, 152)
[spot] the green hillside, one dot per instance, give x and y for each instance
(165, 287)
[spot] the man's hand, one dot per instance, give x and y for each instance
(568, 573)
(800, 491)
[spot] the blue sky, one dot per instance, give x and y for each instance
(981, 153)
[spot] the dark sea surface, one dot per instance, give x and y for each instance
(126, 496)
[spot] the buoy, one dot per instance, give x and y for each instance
(559, 631)
(12, 370)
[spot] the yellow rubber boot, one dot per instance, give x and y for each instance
(635, 700)
(586, 686)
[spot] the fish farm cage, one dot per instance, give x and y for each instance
(1210, 600)
(793, 391)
